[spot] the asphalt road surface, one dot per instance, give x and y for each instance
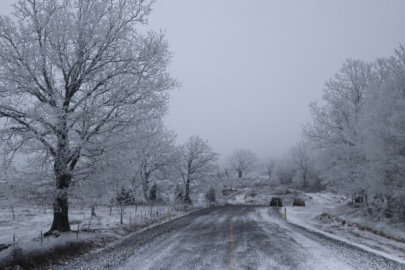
(232, 237)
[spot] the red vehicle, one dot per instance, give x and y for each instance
(298, 202)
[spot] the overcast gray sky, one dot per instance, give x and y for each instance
(249, 68)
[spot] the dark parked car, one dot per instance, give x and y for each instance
(298, 202)
(276, 202)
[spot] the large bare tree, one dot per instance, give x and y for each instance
(242, 160)
(72, 73)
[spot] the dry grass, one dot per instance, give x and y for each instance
(325, 217)
(45, 258)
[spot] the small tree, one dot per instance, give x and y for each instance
(178, 195)
(300, 156)
(124, 197)
(14, 188)
(153, 192)
(197, 161)
(270, 166)
(210, 196)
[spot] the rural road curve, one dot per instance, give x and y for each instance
(232, 237)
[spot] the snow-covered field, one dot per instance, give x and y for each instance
(103, 229)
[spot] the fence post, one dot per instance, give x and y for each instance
(285, 213)
(170, 215)
(13, 240)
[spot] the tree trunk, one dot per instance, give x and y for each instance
(240, 174)
(62, 168)
(93, 211)
(61, 203)
(145, 189)
(60, 214)
(145, 184)
(187, 199)
(121, 220)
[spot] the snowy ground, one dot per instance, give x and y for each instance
(347, 228)
(29, 221)
(329, 214)
(103, 229)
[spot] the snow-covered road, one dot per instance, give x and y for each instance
(233, 237)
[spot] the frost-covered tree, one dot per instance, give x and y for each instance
(178, 195)
(300, 156)
(242, 160)
(285, 171)
(303, 159)
(359, 132)
(153, 192)
(197, 161)
(334, 130)
(270, 166)
(123, 198)
(210, 196)
(14, 189)
(72, 75)
(152, 154)
(143, 155)
(383, 130)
